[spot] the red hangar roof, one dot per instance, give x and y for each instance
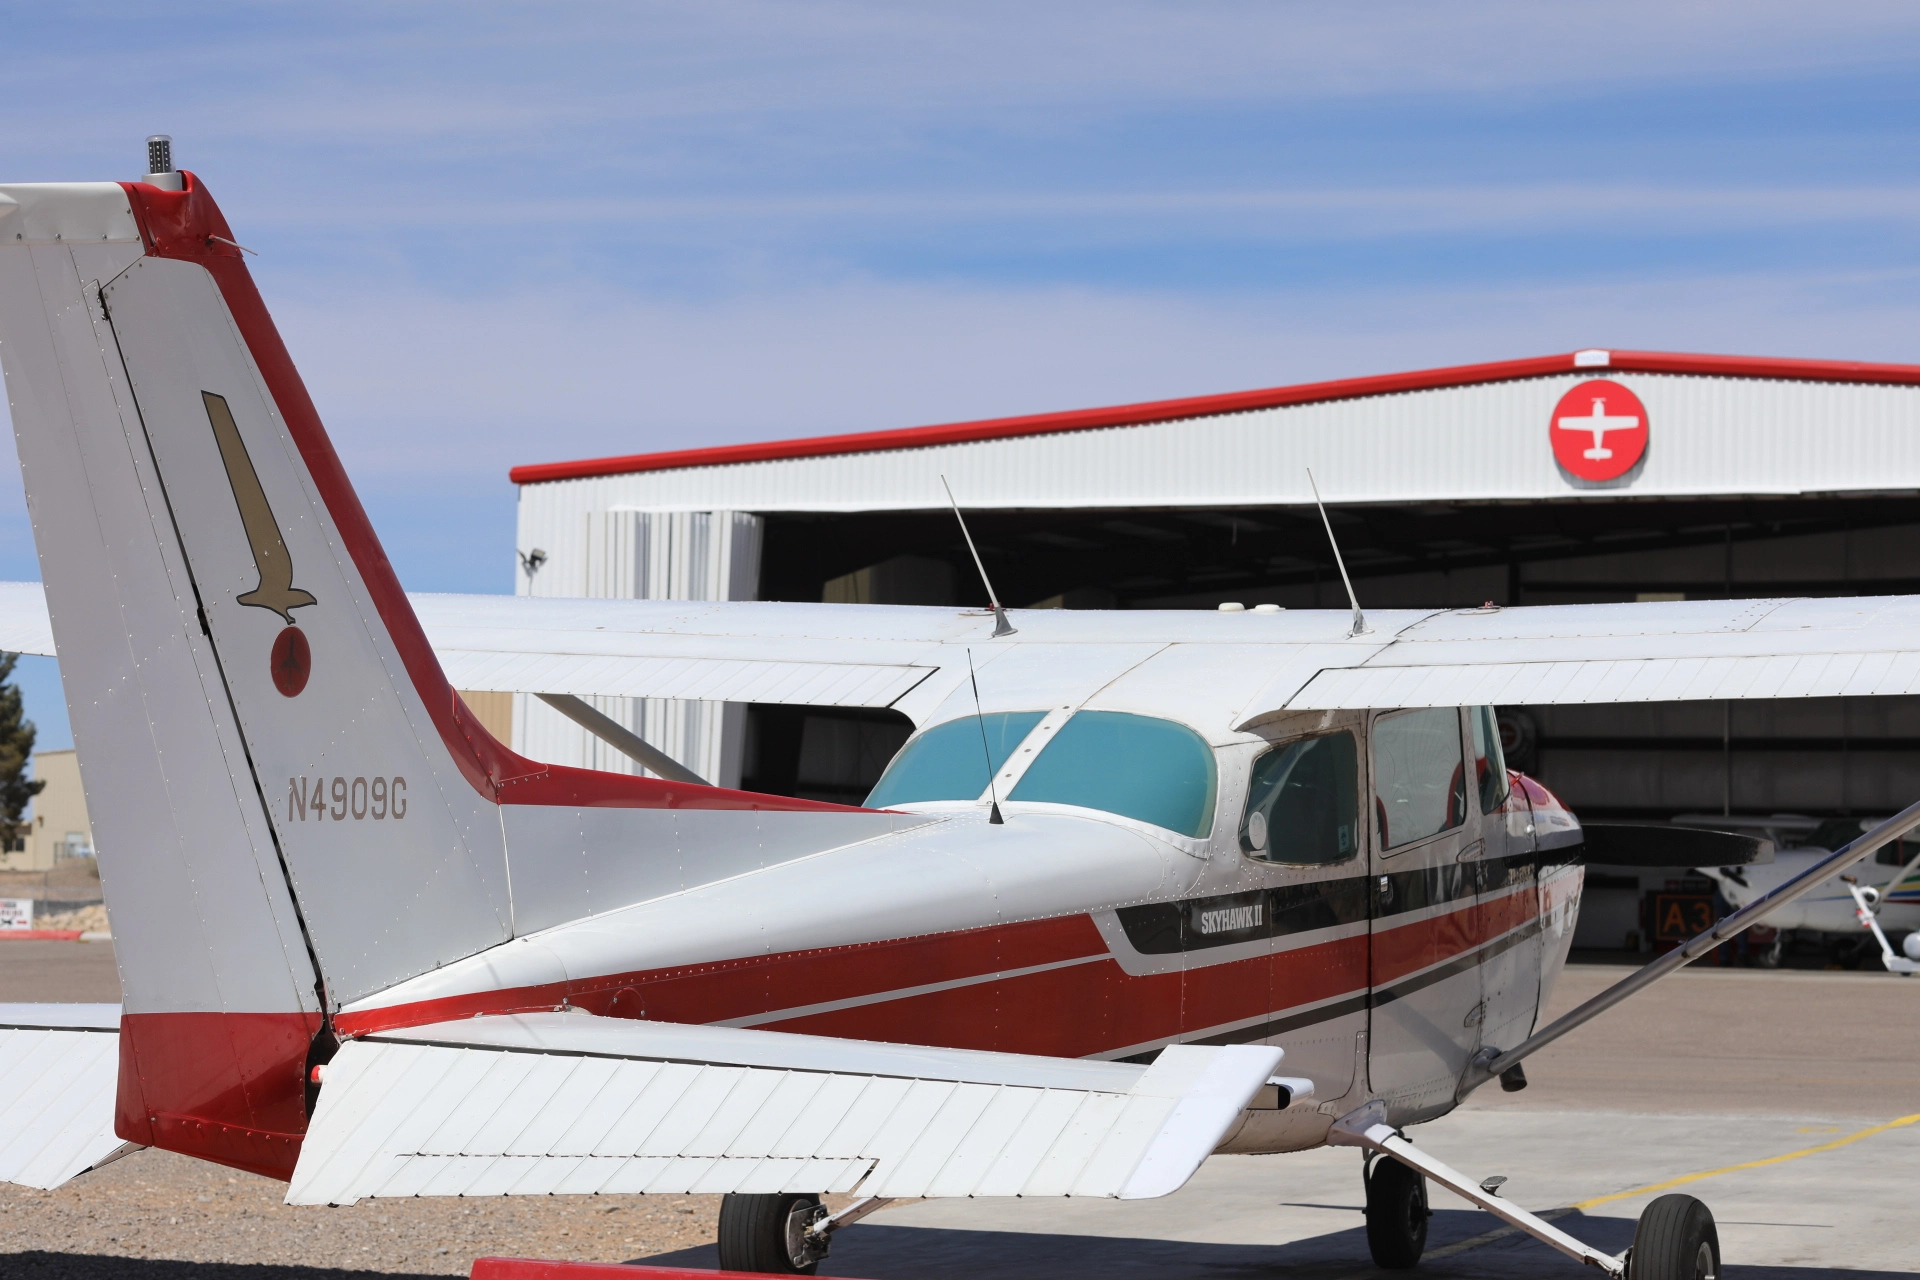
(1231, 402)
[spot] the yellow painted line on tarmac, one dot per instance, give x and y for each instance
(1684, 1179)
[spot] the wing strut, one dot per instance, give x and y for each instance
(1492, 1062)
(620, 738)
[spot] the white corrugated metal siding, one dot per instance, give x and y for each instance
(1709, 435)
(637, 555)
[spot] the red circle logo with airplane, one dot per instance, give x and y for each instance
(1599, 430)
(291, 661)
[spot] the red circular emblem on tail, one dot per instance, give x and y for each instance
(1599, 430)
(292, 661)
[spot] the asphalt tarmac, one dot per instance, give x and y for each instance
(1788, 1101)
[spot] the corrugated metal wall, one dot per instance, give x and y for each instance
(638, 555)
(1708, 436)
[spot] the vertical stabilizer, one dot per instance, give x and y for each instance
(292, 808)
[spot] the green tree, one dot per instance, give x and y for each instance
(16, 749)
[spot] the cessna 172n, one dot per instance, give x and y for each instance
(1142, 887)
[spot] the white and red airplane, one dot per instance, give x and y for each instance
(1170, 883)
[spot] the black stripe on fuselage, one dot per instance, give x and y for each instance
(1196, 924)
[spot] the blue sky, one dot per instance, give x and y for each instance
(504, 233)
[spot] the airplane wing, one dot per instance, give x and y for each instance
(59, 1067)
(876, 655)
(729, 651)
(535, 1104)
(1647, 652)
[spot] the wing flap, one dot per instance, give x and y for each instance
(601, 1104)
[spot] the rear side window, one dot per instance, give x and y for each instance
(1303, 803)
(949, 761)
(1419, 785)
(1136, 766)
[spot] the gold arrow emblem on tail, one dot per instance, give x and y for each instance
(276, 590)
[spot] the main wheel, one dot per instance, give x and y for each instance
(1397, 1214)
(769, 1233)
(1675, 1240)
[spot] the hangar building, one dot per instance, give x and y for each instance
(1708, 476)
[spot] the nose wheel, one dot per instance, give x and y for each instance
(1675, 1239)
(769, 1234)
(1397, 1214)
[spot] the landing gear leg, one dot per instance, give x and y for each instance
(1675, 1239)
(1397, 1214)
(769, 1234)
(1368, 1129)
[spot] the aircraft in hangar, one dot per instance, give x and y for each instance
(1142, 886)
(1851, 914)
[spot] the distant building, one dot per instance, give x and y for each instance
(57, 820)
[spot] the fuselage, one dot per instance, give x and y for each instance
(1400, 902)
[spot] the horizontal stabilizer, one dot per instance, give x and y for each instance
(25, 626)
(549, 1103)
(59, 1067)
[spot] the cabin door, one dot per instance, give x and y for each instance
(1508, 924)
(1427, 1000)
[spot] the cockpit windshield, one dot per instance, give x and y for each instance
(1136, 766)
(949, 761)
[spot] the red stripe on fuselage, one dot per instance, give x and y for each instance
(729, 989)
(240, 1076)
(1406, 949)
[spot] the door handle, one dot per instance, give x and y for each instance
(1386, 891)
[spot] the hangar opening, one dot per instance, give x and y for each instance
(1447, 488)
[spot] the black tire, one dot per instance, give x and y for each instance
(761, 1233)
(1675, 1240)
(1397, 1214)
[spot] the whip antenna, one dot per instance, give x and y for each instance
(993, 817)
(1360, 627)
(1001, 627)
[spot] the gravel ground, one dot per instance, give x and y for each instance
(91, 918)
(145, 1216)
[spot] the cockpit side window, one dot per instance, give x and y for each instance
(1139, 767)
(1303, 802)
(1419, 779)
(1489, 763)
(949, 761)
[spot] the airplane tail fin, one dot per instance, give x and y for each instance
(292, 807)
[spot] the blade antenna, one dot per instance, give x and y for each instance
(1001, 627)
(1360, 627)
(993, 817)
